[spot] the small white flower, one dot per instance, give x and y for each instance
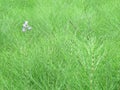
(29, 28)
(26, 26)
(26, 22)
(23, 29)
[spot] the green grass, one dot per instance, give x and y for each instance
(73, 45)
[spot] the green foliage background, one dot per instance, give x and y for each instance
(73, 45)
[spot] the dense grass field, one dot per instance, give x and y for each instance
(73, 45)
